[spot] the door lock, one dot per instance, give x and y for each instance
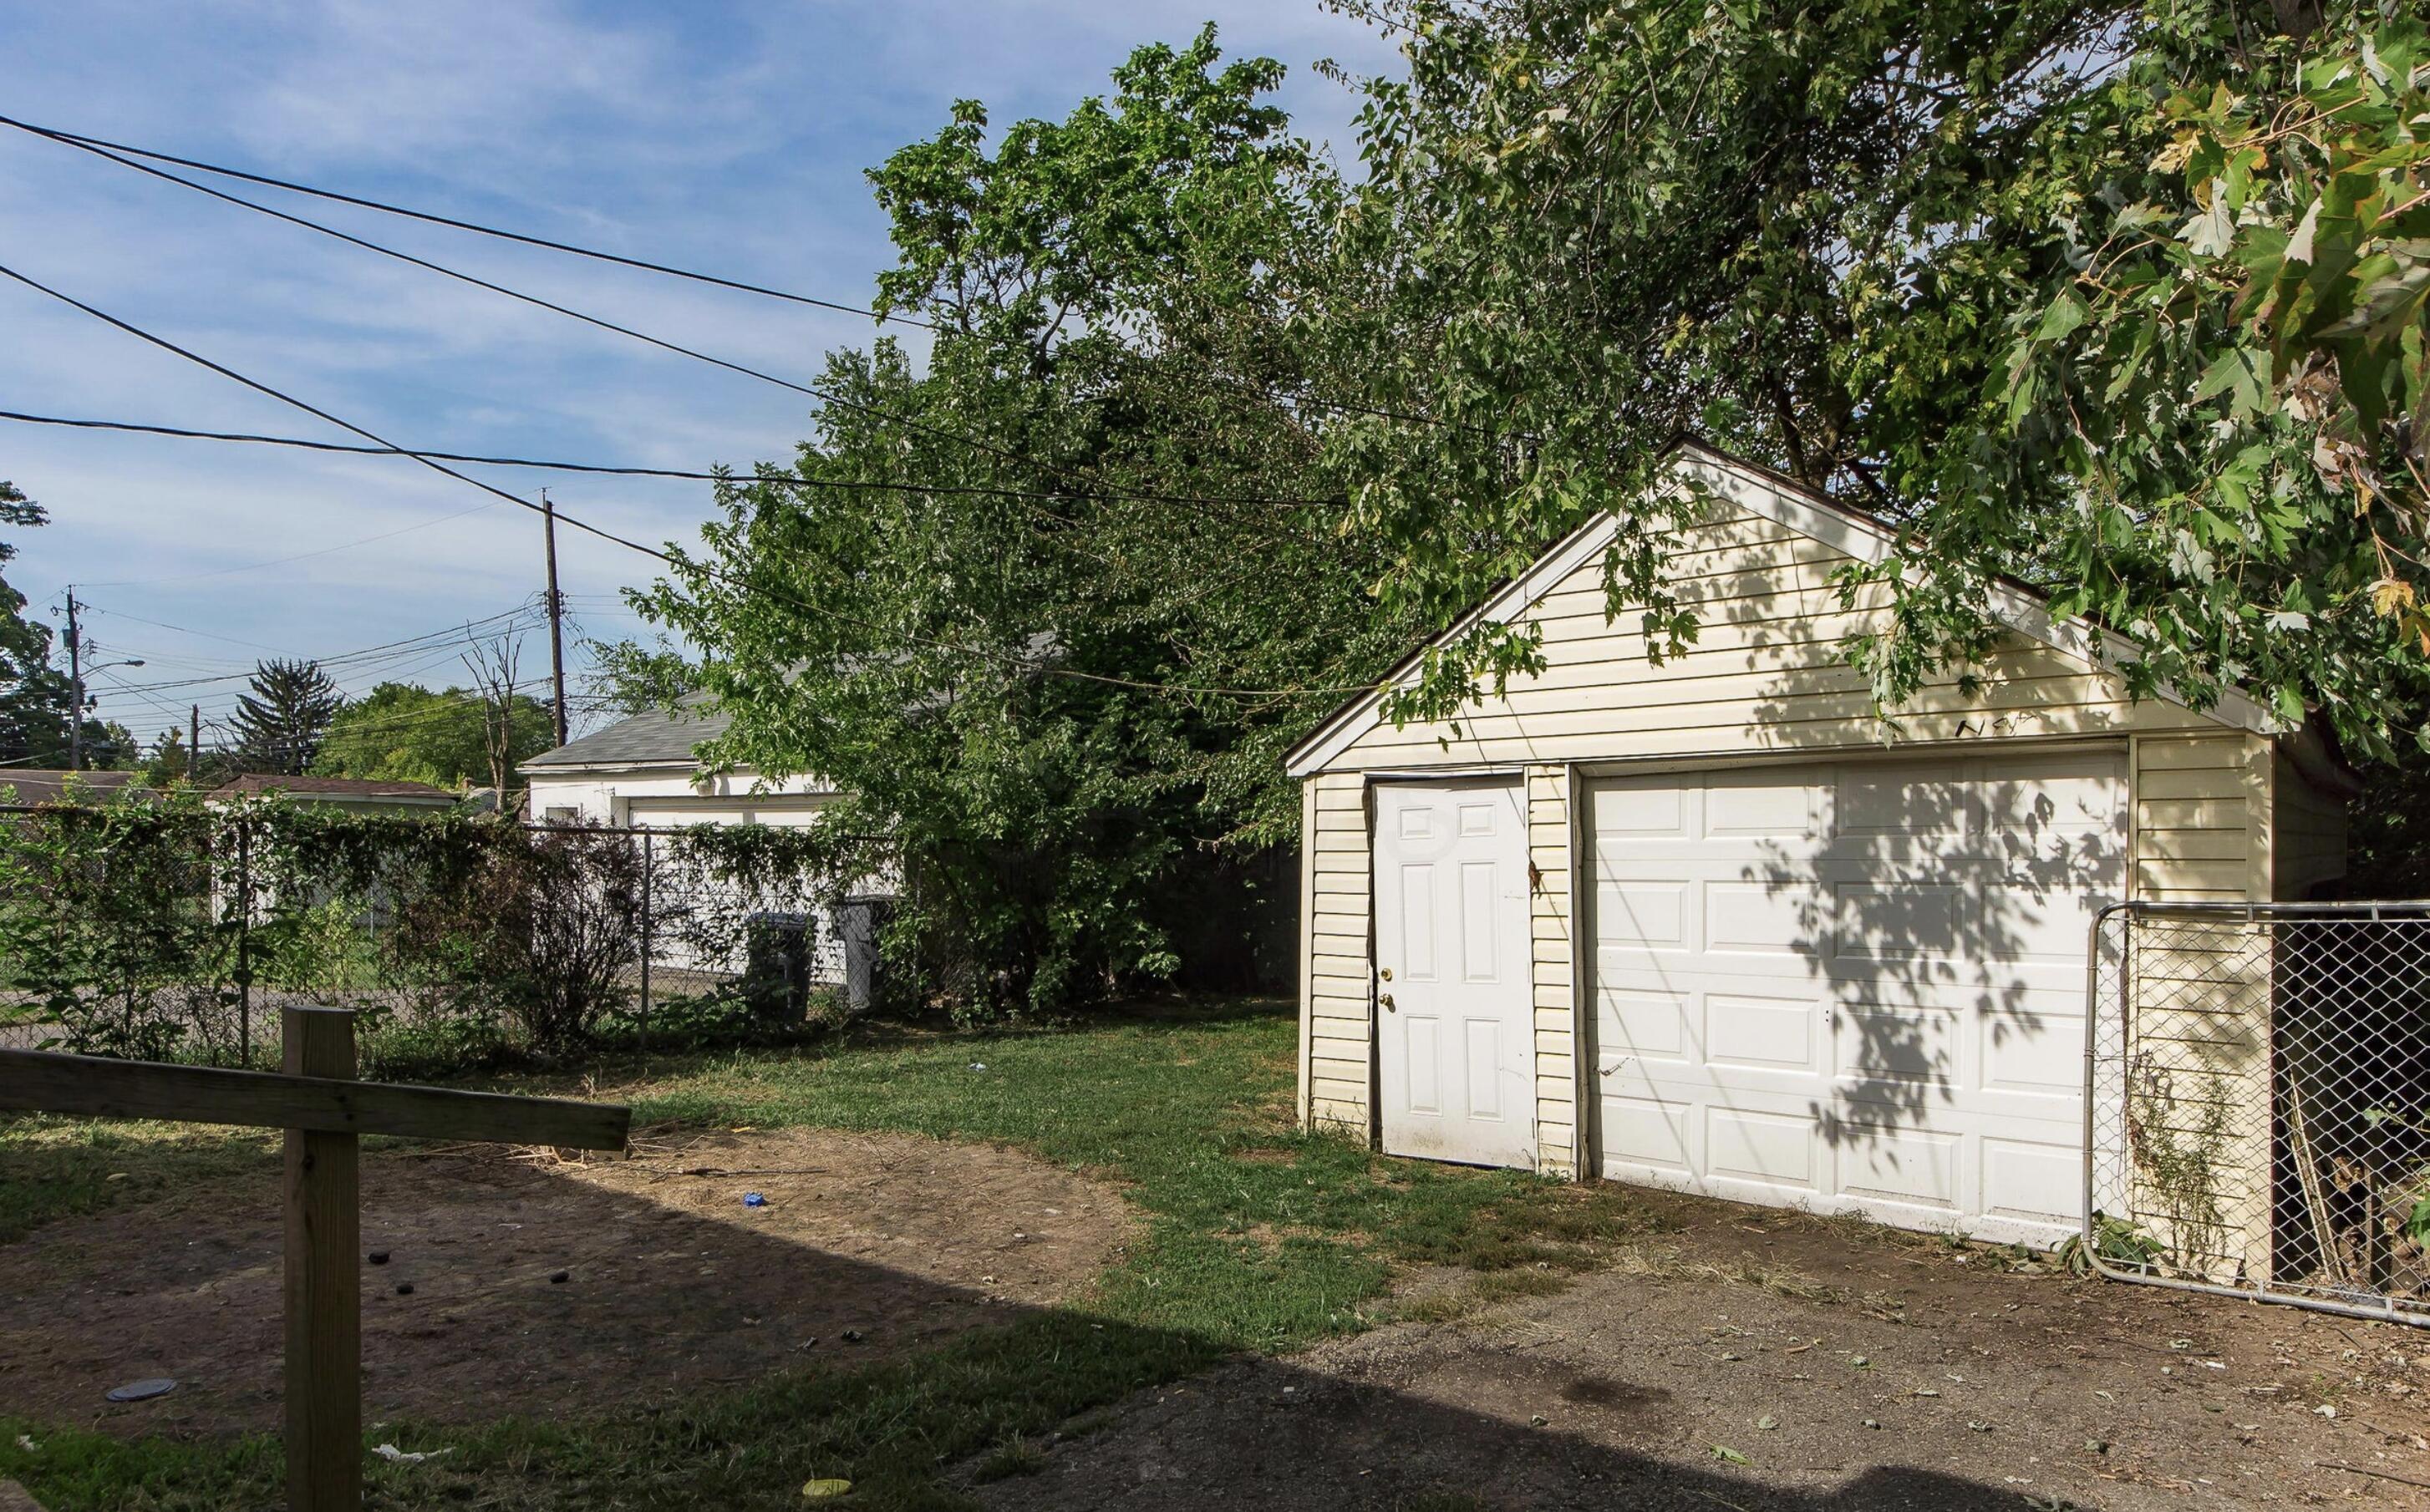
(1387, 974)
(1385, 999)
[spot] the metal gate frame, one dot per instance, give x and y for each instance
(2332, 978)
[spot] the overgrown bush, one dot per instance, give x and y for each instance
(173, 927)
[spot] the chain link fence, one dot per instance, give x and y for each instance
(182, 934)
(2259, 1102)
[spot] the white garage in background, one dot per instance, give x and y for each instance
(643, 771)
(1712, 924)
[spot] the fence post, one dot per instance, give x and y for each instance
(244, 939)
(323, 1300)
(649, 865)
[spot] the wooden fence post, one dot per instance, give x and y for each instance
(244, 944)
(649, 865)
(325, 1430)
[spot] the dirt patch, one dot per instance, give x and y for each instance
(1768, 1362)
(867, 1245)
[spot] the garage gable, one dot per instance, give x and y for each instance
(1753, 556)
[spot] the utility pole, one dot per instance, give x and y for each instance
(193, 742)
(555, 616)
(76, 688)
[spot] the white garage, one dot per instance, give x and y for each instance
(1713, 925)
(642, 772)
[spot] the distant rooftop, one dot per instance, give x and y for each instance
(254, 784)
(652, 738)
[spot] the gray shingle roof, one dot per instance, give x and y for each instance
(651, 737)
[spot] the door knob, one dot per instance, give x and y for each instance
(1385, 999)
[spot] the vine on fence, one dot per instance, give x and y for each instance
(166, 925)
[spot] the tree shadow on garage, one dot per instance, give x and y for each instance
(1945, 923)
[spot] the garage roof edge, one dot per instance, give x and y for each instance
(1784, 501)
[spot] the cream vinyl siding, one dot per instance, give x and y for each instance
(1340, 983)
(2202, 817)
(2202, 834)
(1554, 919)
(1767, 674)
(2308, 831)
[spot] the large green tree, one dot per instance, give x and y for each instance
(2122, 298)
(404, 732)
(1049, 609)
(2017, 276)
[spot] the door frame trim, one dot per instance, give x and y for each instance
(1516, 776)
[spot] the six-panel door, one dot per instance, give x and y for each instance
(1455, 1019)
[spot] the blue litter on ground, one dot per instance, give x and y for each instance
(752, 1199)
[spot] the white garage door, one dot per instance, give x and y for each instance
(1855, 986)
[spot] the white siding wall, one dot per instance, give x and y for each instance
(612, 797)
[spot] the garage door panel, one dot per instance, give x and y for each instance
(1896, 1046)
(1760, 918)
(1863, 989)
(1649, 914)
(2035, 1181)
(1747, 1146)
(1639, 810)
(2038, 1054)
(1760, 803)
(1647, 1022)
(1902, 802)
(1901, 922)
(1647, 1133)
(2047, 795)
(1918, 1168)
(2025, 925)
(1750, 1032)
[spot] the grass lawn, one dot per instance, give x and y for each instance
(1255, 1238)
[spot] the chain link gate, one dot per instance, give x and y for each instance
(2257, 1103)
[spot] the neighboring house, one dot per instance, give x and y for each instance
(1711, 924)
(364, 795)
(50, 785)
(642, 772)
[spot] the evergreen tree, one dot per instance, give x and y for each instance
(282, 720)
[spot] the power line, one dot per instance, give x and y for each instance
(357, 660)
(603, 469)
(102, 145)
(111, 151)
(601, 323)
(656, 553)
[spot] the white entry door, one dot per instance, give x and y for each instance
(1454, 1007)
(1855, 986)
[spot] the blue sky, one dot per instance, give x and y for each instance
(729, 138)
